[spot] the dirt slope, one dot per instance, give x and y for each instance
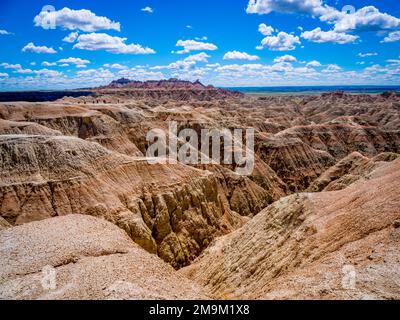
(90, 259)
(298, 247)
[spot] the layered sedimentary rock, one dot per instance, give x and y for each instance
(91, 125)
(308, 245)
(82, 257)
(4, 224)
(339, 138)
(294, 161)
(297, 137)
(172, 210)
(350, 169)
(21, 127)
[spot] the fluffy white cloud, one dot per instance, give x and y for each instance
(265, 30)
(285, 58)
(310, 7)
(103, 41)
(236, 55)
(48, 64)
(24, 71)
(281, 42)
(71, 37)
(48, 73)
(192, 45)
(147, 9)
(115, 66)
(4, 32)
(332, 68)
(392, 37)
(187, 64)
(199, 57)
(3, 75)
(314, 64)
(18, 69)
(76, 61)
(319, 36)
(30, 47)
(368, 54)
(393, 61)
(83, 19)
(6, 65)
(366, 19)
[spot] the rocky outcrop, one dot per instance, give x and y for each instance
(308, 245)
(172, 210)
(21, 127)
(4, 224)
(349, 170)
(82, 257)
(294, 161)
(339, 138)
(66, 119)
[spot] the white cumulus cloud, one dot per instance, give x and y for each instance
(147, 9)
(314, 64)
(192, 45)
(103, 41)
(71, 37)
(83, 19)
(285, 58)
(319, 36)
(30, 47)
(16, 67)
(332, 68)
(115, 66)
(265, 30)
(367, 19)
(236, 55)
(74, 60)
(4, 32)
(310, 7)
(392, 37)
(48, 64)
(281, 42)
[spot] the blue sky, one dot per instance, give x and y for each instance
(224, 42)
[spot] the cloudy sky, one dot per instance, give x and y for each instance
(72, 44)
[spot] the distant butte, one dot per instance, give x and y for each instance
(172, 88)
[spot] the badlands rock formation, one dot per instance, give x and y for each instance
(82, 257)
(86, 156)
(305, 246)
(172, 210)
